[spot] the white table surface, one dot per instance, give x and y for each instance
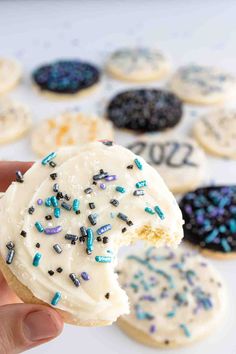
(188, 31)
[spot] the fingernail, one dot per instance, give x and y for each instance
(40, 325)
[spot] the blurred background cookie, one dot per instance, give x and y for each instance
(176, 297)
(69, 128)
(203, 84)
(210, 223)
(10, 74)
(180, 161)
(138, 64)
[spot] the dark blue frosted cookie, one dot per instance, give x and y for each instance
(210, 219)
(145, 110)
(66, 77)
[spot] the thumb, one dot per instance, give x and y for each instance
(25, 326)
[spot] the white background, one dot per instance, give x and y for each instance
(188, 31)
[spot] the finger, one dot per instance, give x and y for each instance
(25, 326)
(8, 172)
(7, 296)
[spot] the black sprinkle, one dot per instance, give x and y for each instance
(37, 245)
(105, 239)
(83, 231)
(88, 190)
(124, 230)
(56, 187)
(81, 239)
(31, 210)
(59, 195)
(67, 197)
(53, 176)
(94, 183)
(51, 272)
(107, 142)
(19, 177)
(10, 256)
(23, 233)
(66, 206)
(114, 202)
(71, 237)
(122, 216)
(77, 212)
(92, 219)
(75, 280)
(59, 270)
(107, 296)
(52, 164)
(99, 239)
(100, 176)
(130, 167)
(10, 245)
(138, 192)
(48, 217)
(129, 223)
(92, 205)
(166, 342)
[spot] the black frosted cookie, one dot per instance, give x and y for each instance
(66, 76)
(210, 219)
(145, 110)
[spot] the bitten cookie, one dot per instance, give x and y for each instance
(63, 221)
(210, 223)
(137, 64)
(180, 162)
(202, 84)
(176, 298)
(69, 128)
(145, 110)
(10, 74)
(15, 120)
(66, 78)
(216, 132)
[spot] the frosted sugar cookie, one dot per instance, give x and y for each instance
(69, 128)
(145, 110)
(210, 224)
(15, 120)
(176, 298)
(202, 84)
(63, 221)
(180, 162)
(216, 132)
(10, 73)
(66, 78)
(137, 64)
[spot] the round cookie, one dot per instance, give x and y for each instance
(66, 78)
(63, 221)
(202, 84)
(145, 110)
(216, 132)
(137, 64)
(69, 128)
(176, 297)
(15, 120)
(210, 223)
(10, 74)
(180, 162)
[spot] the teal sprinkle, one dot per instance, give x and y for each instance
(36, 259)
(103, 259)
(138, 164)
(56, 298)
(90, 239)
(48, 158)
(39, 226)
(120, 189)
(222, 229)
(185, 330)
(141, 184)
(75, 205)
(232, 225)
(171, 314)
(145, 285)
(149, 210)
(134, 286)
(223, 202)
(212, 236)
(54, 201)
(225, 245)
(112, 215)
(159, 212)
(48, 202)
(109, 251)
(57, 212)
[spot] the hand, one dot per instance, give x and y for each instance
(22, 326)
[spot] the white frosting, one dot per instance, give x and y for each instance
(202, 84)
(180, 162)
(15, 120)
(216, 132)
(138, 64)
(75, 168)
(193, 280)
(10, 73)
(69, 128)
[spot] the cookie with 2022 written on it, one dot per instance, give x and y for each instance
(66, 78)
(137, 64)
(69, 128)
(216, 132)
(15, 120)
(176, 297)
(64, 220)
(210, 220)
(180, 162)
(10, 74)
(203, 84)
(145, 110)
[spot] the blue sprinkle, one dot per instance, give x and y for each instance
(159, 212)
(39, 226)
(103, 259)
(56, 298)
(138, 164)
(36, 259)
(103, 229)
(48, 158)
(225, 245)
(85, 276)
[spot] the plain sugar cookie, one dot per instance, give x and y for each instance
(10, 74)
(180, 162)
(210, 223)
(15, 120)
(176, 297)
(137, 64)
(216, 132)
(63, 221)
(69, 128)
(202, 84)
